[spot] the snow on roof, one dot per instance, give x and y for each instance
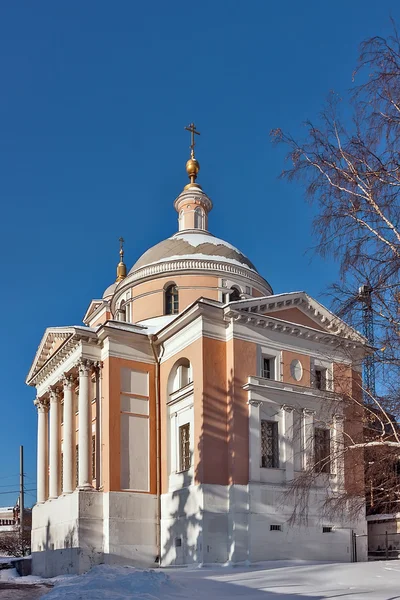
(195, 239)
(193, 245)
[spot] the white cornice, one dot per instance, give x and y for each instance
(294, 329)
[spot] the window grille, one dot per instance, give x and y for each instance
(322, 449)
(184, 447)
(77, 465)
(269, 445)
(327, 530)
(171, 300)
(93, 457)
(275, 527)
(268, 368)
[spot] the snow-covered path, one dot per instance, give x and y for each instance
(283, 580)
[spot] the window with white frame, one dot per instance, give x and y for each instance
(268, 367)
(182, 375)
(128, 312)
(320, 378)
(199, 218)
(171, 300)
(269, 444)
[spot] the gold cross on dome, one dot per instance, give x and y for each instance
(192, 128)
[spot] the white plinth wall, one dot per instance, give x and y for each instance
(219, 524)
(76, 531)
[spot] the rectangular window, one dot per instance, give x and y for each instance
(93, 457)
(77, 465)
(320, 379)
(184, 447)
(269, 445)
(327, 530)
(322, 449)
(268, 371)
(275, 527)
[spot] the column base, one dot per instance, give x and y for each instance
(85, 487)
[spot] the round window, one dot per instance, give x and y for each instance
(296, 369)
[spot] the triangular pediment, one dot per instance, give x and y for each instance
(300, 309)
(53, 339)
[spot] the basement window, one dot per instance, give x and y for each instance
(275, 527)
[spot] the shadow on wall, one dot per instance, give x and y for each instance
(76, 555)
(202, 527)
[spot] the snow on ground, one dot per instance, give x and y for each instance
(278, 580)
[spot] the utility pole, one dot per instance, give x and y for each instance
(21, 495)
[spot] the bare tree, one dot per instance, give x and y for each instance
(349, 163)
(13, 544)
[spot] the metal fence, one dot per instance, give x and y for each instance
(383, 546)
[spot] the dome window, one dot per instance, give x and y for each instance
(234, 295)
(199, 218)
(171, 300)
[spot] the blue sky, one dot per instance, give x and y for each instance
(95, 97)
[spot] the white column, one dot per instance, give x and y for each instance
(308, 438)
(68, 451)
(338, 450)
(85, 434)
(54, 444)
(254, 439)
(287, 435)
(42, 449)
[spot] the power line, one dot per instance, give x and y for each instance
(17, 491)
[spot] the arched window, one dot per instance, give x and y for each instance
(199, 218)
(121, 312)
(181, 220)
(234, 295)
(180, 375)
(171, 300)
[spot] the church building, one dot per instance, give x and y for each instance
(173, 421)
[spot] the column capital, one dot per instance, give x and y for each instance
(42, 404)
(84, 367)
(256, 403)
(68, 381)
(54, 395)
(308, 412)
(338, 417)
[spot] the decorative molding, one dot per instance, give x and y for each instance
(256, 403)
